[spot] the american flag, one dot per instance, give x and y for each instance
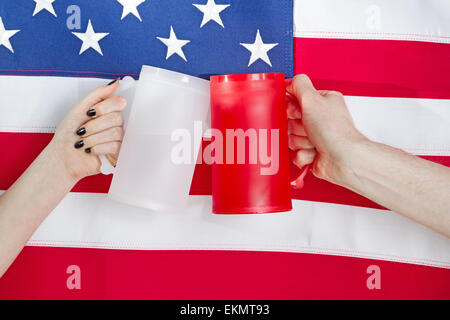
(110, 37)
(391, 60)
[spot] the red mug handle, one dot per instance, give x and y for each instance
(298, 182)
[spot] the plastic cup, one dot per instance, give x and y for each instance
(253, 106)
(162, 140)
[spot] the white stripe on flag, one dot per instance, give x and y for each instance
(399, 122)
(414, 20)
(418, 126)
(39, 104)
(92, 221)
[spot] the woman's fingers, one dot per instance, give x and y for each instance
(109, 120)
(296, 127)
(298, 142)
(96, 96)
(109, 135)
(111, 104)
(86, 109)
(109, 148)
(304, 157)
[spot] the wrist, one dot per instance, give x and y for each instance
(55, 164)
(346, 162)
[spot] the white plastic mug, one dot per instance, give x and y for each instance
(167, 110)
(126, 89)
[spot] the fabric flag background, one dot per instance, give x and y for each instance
(46, 44)
(390, 59)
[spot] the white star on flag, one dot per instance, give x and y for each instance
(5, 35)
(90, 39)
(174, 45)
(211, 11)
(130, 6)
(44, 4)
(259, 50)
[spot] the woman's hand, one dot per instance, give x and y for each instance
(91, 128)
(94, 127)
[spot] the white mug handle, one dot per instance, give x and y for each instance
(125, 84)
(106, 167)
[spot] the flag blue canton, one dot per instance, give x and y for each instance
(196, 37)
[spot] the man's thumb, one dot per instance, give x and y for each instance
(300, 85)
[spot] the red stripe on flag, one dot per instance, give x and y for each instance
(377, 68)
(22, 148)
(122, 274)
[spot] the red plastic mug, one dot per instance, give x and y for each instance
(250, 154)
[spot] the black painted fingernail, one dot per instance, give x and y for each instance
(87, 150)
(81, 131)
(79, 144)
(91, 113)
(112, 82)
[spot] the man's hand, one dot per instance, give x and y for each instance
(323, 133)
(321, 129)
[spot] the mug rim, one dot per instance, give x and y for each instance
(247, 77)
(150, 73)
